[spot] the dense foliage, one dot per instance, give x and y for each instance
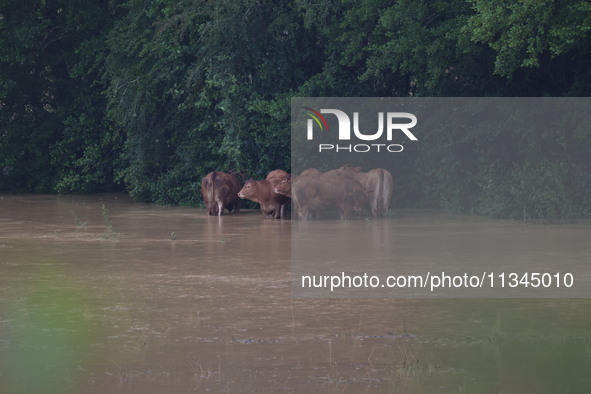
(149, 96)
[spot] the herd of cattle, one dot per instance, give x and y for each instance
(313, 192)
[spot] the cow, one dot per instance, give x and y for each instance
(312, 193)
(284, 187)
(378, 183)
(276, 177)
(220, 191)
(272, 204)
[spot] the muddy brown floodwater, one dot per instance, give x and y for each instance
(102, 295)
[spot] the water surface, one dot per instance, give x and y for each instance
(99, 294)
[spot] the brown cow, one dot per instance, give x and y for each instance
(272, 204)
(284, 187)
(220, 191)
(312, 193)
(378, 183)
(276, 177)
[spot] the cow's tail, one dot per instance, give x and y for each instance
(217, 183)
(210, 195)
(381, 193)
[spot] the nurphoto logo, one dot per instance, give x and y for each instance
(393, 126)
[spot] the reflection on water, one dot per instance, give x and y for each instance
(427, 244)
(139, 298)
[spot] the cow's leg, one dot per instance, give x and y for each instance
(220, 208)
(268, 214)
(375, 205)
(302, 213)
(346, 211)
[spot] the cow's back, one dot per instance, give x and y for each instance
(276, 176)
(311, 171)
(313, 193)
(220, 191)
(226, 188)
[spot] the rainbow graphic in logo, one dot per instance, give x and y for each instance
(318, 118)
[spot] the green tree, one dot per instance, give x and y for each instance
(150, 96)
(201, 86)
(547, 41)
(44, 93)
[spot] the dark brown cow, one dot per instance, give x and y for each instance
(220, 191)
(312, 193)
(272, 204)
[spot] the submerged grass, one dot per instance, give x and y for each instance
(107, 220)
(77, 220)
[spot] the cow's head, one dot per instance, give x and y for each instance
(360, 199)
(248, 189)
(284, 187)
